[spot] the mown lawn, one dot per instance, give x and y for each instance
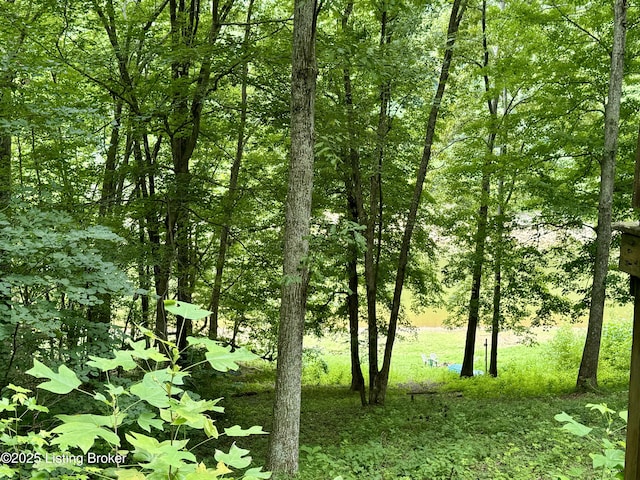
(480, 428)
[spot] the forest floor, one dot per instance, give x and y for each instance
(478, 428)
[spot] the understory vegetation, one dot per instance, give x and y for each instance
(434, 425)
(453, 428)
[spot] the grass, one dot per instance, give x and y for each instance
(479, 428)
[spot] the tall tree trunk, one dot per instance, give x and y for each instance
(374, 222)
(483, 215)
(109, 184)
(496, 318)
(283, 448)
(145, 158)
(380, 385)
(587, 375)
(5, 196)
(357, 378)
(101, 313)
(145, 284)
(355, 212)
(184, 130)
(476, 278)
(230, 198)
(5, 155)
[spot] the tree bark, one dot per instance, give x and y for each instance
(587, 375)
(145, 158)
(5, 165)
(101, 313)
(374, 221)
(284, 444)
(380, 386)
(183, 125)
(109, 184)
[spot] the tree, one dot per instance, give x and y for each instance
(483, 213)
(381, 379)
(283, 448)
(355, 211)
(587, 376)
(230, 198)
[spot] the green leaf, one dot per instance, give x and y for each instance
(32, 404)
(237, 431)
(203, 473)
(82, 435)
(141, 351)
(62, 382)
(159, 456)
(17, 389)
(601, 407)
(188, 411)
(97, 420)
(6, 405)
(256, 474)
(236, 457)
(572, 426)
(129, 474)
(122, 360)
(146, 420)
(153, 388)
(7, 471)
(115, 391)
(222, 358)
(186, 310)
(100, 398)
(612, 459)
(210, 429)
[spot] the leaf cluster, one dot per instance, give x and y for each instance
(167, 408)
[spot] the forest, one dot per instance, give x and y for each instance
(362, 238)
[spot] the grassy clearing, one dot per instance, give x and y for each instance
(480, 428)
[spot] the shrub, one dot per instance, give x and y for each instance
(314, 367)
(616, 345)
(158, 405)
(565, 349)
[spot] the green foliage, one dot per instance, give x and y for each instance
(314, 367)
(439, 437)
(55, 272)
(62, 382)
(616, 345)
(157, 402)
(565, 349)
(481, 428)
(607, 438)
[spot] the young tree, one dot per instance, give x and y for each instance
(587, 376)
(381, 380)
(355, 210)
(283, 448)
(480, 237)
(230, 197)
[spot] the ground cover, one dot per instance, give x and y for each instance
(480, 428)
